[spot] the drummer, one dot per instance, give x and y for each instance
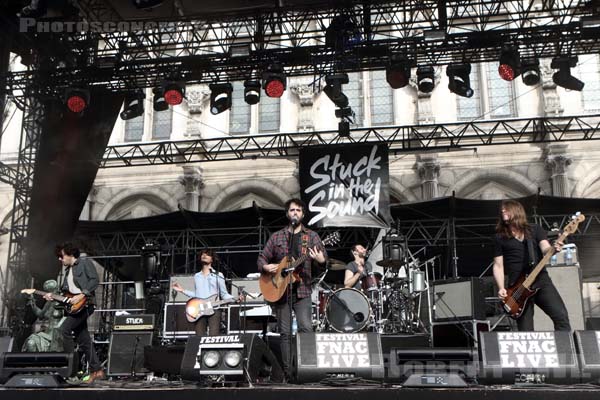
(358, 269)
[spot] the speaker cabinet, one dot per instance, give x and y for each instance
(187, 282)
(528, 357)
(126, 352)
(62, 364)
(568, 283)
(458, 299)
(164, 359)
(251, 286)
(322, 355)
(588, 346)
(258, 362)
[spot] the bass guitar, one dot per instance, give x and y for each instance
(518, 294)
(70, 308)
(196, 307)
(274, 285)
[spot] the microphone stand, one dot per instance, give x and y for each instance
(134, 357)
(290, 299)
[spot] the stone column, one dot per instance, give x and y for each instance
(428, 168)
(424, 110)
(550, 95)
(192, 182)
(195, 97)
(306, 95)
(557, 163)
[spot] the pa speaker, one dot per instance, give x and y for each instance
(12, 364)
(237, 357)
(126, 352)
(567, 280)
(324, 355)
(588, 346)
(528, 357)
(458, 299)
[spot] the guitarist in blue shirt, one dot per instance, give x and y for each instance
(207, 284)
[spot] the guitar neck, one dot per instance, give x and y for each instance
(56, 297)
(542, 264)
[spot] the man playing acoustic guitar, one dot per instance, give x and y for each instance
(295, 240)
(519, 246)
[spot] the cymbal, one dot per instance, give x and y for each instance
(336, 265)
(393, 264)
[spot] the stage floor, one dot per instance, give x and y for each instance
(180, 391)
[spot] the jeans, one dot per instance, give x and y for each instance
(76, 325)
(549, 300)
(302, 309)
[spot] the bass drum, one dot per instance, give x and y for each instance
(348, 311)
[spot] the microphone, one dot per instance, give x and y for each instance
(295, 221)
(173, 293)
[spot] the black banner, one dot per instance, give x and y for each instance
(346, 185)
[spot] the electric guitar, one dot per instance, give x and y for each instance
(196, 307)
(70, 308)
(274, 285)
(518, 294)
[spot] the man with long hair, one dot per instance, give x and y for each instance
(512, 257)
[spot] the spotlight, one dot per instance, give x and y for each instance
(530, 72)
(425, 79)
(460, 83)
(342, 33)
(333, 89)
(146, 4)
(397, 73)
(274, 81)
(220, 97)
(252, 92)
(159, 103)
(174, 92)
(510, 64)
(344, 129)
(134, 105)
(563, 76)
(77, 100)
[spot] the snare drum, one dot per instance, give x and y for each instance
(348, 310)
(371, 281)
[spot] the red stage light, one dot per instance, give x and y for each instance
(506, 72)
(77, 100)
(173, 95)
(274, 88)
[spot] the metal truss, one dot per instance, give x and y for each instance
(16, 276)
(200, 49)
(415, 138)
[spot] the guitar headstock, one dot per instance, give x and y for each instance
(28, 291)
(575, 221)
(331, 239)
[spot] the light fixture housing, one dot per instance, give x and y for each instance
(220, 97)
(426, 79)
(530, 71)
(459, 81)
(333, 89)
(251, 92)
(77, 99)
(397, 73)
(274, 81)
(134, 105)
(509, 66)
(563, 77)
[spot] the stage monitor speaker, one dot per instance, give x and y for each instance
(429, 366)
(175, 324)
(126, 352)
(29, 364)
(528, 357)
(237, 357)
(164, 359)
(568, 283)
(327, 355)
(187, 282)
(464, 333)
(458, 299)
(588, 347)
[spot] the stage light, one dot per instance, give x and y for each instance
(563, 77)
(425, 79)
(159, 103)
(220, 97)
(333, 89)
(77, 100)
(134, 105)
(460, 82)
(146, 4)
(530, 72)
(397, 72)
(174, 92)
(510, 64)
(342, 33)
(274, 81)
(217, 359)
(252, 92)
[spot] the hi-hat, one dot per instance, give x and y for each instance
(393, 264)
(336, 265)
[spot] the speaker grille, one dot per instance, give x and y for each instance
(126, 351)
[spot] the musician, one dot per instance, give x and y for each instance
(512, 258)
(295, 239)
(358, 269)
(207, 283)
(81, 280)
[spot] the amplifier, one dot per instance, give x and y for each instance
(175, 323)
(141, 322)
(458, 299)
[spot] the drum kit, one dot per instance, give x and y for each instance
(387, 303)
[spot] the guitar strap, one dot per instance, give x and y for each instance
(531, 252)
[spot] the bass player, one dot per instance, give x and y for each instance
(518, 248)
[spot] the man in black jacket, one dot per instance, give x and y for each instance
(81, 280)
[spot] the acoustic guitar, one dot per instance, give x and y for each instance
(518, 294)
(70, 308)
(274, 285)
